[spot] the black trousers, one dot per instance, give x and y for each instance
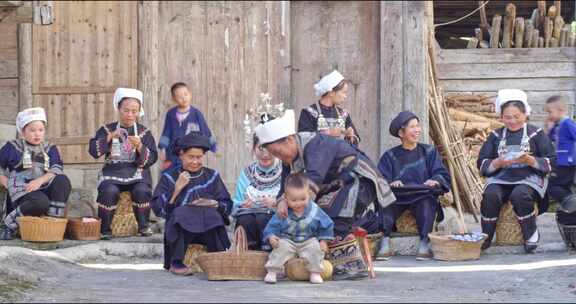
(343, 226)
(38, 202)
(108, 194)
(423, 210)
(215, 240)
(522, 198)
(561, 182)
(254, 225)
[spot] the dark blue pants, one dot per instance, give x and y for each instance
(423, 210)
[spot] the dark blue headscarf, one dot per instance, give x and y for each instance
(191, 140)
(400, 122)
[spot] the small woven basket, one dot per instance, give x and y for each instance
(193, 252)
(508, 231)
(124, 222)
(406, 224)
(296, 270)
(447, 249)
(42, 229)
(239, 263)
(77, 229)
(568, 233)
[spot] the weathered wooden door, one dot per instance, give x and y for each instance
(344, 36)
(227, 53)
(78, 62)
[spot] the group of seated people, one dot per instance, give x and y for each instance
(308, 188)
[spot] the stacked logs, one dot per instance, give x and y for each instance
(545, 28)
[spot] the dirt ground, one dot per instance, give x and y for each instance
(494, 278)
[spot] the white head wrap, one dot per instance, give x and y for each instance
(29, 115)
(327, 83)
(122, 93)
(278, 128)
(506, 95)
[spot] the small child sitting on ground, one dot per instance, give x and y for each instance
(303, 233)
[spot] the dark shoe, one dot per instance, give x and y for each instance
(529, 247)
(6, 234)
(146, 232)
(487, 244)
(106, 236)
(182, 271)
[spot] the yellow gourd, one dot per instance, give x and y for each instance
(296, 270)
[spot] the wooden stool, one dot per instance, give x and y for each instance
(194, 251)
(508, 231)
(124, 222)
(406, 224)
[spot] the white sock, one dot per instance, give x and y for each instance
(534, 237)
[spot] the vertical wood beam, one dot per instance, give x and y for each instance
(25, 66)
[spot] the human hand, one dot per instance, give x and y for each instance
(501, 163)
(274, 241)
(282, 208)
(526, 159)
(324, 246)
(247, 203)
(112, 135)
(182, 181)
(269, 201)
(432, 183)
(34, 185)
(396, 184)
(135, 141)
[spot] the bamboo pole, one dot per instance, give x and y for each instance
(528, 32)
(495, 32)
(519, 33)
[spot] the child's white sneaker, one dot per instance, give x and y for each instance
(316, 278)
(270, 278)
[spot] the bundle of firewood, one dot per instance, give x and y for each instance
(545, 28)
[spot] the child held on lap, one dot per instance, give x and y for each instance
(303, 233)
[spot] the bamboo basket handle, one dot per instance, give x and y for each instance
(240, 243)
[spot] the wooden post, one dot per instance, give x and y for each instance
(541, 13)
(541, 42)
(403, 79)
(495, 33)
(548, 28)
(558, 25)
(564, 35)
(148, 56)
(529, 30)
(25, 99)
(519, 32)
(558, 5)
(535, 38)
(484, 25)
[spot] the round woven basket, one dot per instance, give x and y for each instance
(508, 231)
(42, 229)
(239, 264)
(84, 231)
(193, 252)
(296, 270)
(568, 233)
(406, 224)
(446, 249)
(124, 222)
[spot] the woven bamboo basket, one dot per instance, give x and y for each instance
(447, 249)
(406, 224)
(193, 252)
(84, 231)
(296, 270)
(124, 222)
(508, 231)
(239, 263)
(42, 229)
(374, 242)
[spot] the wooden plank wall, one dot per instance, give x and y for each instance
(8, 72)
(227, 53)
(540, 72)
(78, 62)
(344, 36)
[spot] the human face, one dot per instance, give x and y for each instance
(34, 132)
(297, 199)
(555, 112)
(129, 111)
(411, 133)
(182, 97)
(285, 150)
(513, 118)
(338, 97)
(265, 159)
(192, 159)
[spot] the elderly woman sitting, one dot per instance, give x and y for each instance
(195, 203)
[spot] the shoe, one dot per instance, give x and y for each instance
(182, 271)
(424, 253)
(529, 247)
(146, 232)
(106, 236)
(270, 278)
(487, 244)
(6, 234)
(316, 278)
(384, 251)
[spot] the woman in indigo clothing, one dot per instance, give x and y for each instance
(516, 161)
(31, 169)
(417, 177)
(195, 203)
(130, 150)
(256, 191)
(326, 116)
